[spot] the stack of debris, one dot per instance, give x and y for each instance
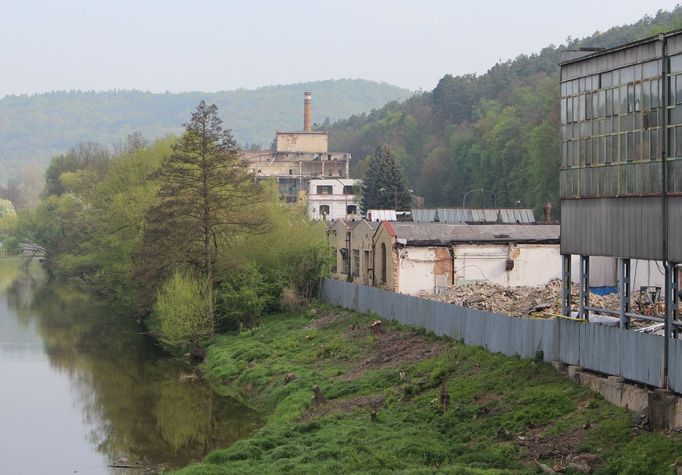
(524, 301)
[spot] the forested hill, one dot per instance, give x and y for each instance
(33, 128)
(498, 131)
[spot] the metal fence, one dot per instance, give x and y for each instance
(633, 356)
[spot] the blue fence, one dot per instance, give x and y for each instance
(634, 356)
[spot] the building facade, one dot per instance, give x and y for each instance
(297, 158)
(621, 167)
(333, 198)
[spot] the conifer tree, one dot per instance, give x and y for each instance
(206, 194)
(384, 185)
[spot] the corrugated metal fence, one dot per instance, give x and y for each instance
(634, 356)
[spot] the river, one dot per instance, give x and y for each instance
(82, 388)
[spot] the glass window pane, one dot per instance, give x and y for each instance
(581, 115)
(678, 89)
(654, 144)
(676, 64)
(569, 110)
(623, 100)
(609, 103)
(631, 98)
(588, 106)
(638, 97)
(627, 75)
(654, 94)
(651, 69)
(607, 80)
(622, 148)
(608, 150)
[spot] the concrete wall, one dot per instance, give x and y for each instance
(534, 264)
(361, 241)
(423, 269)
(337, 236)
(382, 236)
(302, 142)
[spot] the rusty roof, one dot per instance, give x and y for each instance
(440, 234)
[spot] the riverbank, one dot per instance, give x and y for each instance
(379, 406)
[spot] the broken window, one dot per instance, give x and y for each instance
(356, 262)
(324, 210)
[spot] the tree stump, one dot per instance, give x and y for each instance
(318, 397)
(444, 396)
(289, 378)
(377, 327)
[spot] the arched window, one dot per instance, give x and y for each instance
(383, 263)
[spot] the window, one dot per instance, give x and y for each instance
(366, 264)
(356, 263)
(324, 189)
(324, 210)
(346, 262)
(291, 172)
(348, 190)
(351, 209)
(383, 263)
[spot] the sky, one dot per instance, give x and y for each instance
(212, 45)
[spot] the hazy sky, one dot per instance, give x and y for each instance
(161, 45)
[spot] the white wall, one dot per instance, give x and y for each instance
(337, 201)
(415, 270)
(534, 264)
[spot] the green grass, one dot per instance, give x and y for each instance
(495, 402)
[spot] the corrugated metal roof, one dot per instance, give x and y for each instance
(516, 215)
(439, 234)
(381, 215)
(372, 224)
(423, 215)
(453, 215)
(484, 215)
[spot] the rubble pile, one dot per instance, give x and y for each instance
(524, 301)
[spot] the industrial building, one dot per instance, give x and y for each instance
(333, 198)
(298, 157)
(621, 167)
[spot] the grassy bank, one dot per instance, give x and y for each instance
(504, 413)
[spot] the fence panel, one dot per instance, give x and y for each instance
(634, 356)
(675, 373)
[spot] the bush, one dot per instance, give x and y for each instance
(180, 315)
(242, 299)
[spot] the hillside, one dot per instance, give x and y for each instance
(498, 131)
(33, 128)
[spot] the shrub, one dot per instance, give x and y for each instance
(180, 315)
(242, 298)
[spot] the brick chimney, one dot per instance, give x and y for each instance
(307, 126)
(548, 212)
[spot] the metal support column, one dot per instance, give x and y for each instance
(584, 287)
(674, 299)
(624, 291)
(667, 325)
(566, 285)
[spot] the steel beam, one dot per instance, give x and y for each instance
(583, 312)
(566, 285)
(624, 291)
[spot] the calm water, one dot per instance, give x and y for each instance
(81, 388)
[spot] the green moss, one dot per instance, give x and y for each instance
(493, 400)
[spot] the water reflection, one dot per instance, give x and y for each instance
(125, 397)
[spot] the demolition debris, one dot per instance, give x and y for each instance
(527, 301)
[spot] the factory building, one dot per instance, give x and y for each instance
(621, 167)
(299, 157)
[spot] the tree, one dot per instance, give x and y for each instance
(384, 186)
(205, 196)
